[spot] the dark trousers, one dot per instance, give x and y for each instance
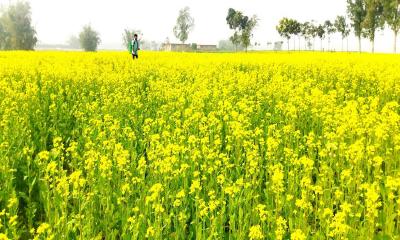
(135, 56)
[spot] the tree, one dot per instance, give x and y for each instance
(313, 32)
(243, 27)
(233, 20)
(288, 28)
(295, 30)
(247, 26)
(329, 30)
(373, 20)
(236, 40)
(73, 42)
(127, 36)
(343, 28)
(184, 25)
(4, 38)
(283, 29)
(89, 39)
(357, 12)
(306, 33)
(320, 31)
(16, 30)
(391, 14)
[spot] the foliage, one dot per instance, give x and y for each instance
(312, 30)
(243, 27)
(283, 28)
(4, 38)
(373, 19)
(329, 27)
(321, 31)
(199, 146)
(307, 32)
(248, 25)
(342, 27)
(89, 39)
(236, 40)
(357, 12)
(184, 25)
(391, 14)
(329, 30)
(288, 28)
(16, 30)
(74, 42)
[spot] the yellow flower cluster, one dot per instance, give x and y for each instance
(199, 146)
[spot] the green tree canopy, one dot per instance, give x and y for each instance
(283, 29)
(342, 27)
(313, 32)
(373, 20)
(391, 15)
(357, 12)
(89, 39)
(320, 31)
(243, 27)
(288, 28)
(73, 42)
(247, 26)
(306, 33)
(329, 30)
(184, 25)
(16, 30)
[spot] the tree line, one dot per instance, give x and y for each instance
(290, 29)
(365, 17)
(17, 32)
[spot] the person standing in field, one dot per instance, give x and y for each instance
(134, 46)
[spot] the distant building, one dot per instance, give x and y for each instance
(207, 48)
(175, 47)
(179, 47)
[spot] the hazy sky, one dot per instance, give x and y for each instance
(56, 20)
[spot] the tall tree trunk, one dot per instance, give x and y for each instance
(329, 44)
(373, 45)
(294, 44)
(395, 42)
(321, 45)
(288, 44)
(359, 43)
(342, 44)
(299, 44)
(314, 44)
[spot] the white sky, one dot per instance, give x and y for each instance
(56, 20)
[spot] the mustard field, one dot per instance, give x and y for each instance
(199, 146)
